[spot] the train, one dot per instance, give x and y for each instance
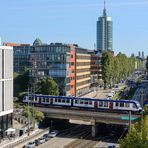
(83, 103)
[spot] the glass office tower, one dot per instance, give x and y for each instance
(104, 32)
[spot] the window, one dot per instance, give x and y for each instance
(121, 104)
(126, 104)
(81, 101)
(63, 100)
(67, 101)
(55, 100)
(101, 104)
(76, 101)
(105, 104)
(72, 63)
(134, 106)
(72, 56)
(59, 100)
(86, 102)
(117, 104)
(90, 102)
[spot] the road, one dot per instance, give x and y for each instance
(68, 137)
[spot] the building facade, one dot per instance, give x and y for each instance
(104, 32)
(96, 68)
(68, 64)
(53, 60)
(83, 78)
(6, 89)
(21, 54)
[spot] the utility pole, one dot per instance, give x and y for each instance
(28, 114)
(130, 121)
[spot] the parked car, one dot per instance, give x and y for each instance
(37, 142)
(30, 145)
(53, 134)
(42, 140)
(46, 136)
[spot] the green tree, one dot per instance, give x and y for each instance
(138, 136)
(33, 113)
(107, 68)
(47, 86)
(20, 83)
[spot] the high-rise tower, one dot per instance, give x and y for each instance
(104, 32)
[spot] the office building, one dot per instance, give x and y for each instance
(53, 60)
(6, 89)
(96, 68)
(83, 79)
(104, 32)
(21, 54)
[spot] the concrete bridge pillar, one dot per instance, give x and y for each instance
(94, 130)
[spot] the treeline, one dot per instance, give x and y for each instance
(117, 68)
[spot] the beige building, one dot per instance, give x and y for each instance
(82, 71)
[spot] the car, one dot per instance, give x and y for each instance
(42, 140)
(111, 146)
(37, 142)
(53, 134)
(46, 137)
(30, 145)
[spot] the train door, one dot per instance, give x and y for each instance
(72, 102)
(51, 101)
(111, 105)
(40, 100)
(96, 104)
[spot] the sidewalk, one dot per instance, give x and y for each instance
(18, 140)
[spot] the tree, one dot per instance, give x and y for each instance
(47, 86)
(20, 83)
(138, 136)
(33, 113)
(107, 68)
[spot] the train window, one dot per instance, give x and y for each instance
(47, 100)
(81, 101)
(134, 106)
(121, 104)
(67, 101)
(86, 102)
(90, 102)
(59, 100)
(55, 100)
(117, 104)
(105, 104)
(101, 104)
(63, 100)
(126, 104)
(76, 101)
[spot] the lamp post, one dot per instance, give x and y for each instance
(28, 114)
(51, 122)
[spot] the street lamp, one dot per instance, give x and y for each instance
(28, 114)
(51, 122)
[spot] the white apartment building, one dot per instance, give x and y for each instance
(6, 88)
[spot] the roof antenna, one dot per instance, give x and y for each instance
(104, 11)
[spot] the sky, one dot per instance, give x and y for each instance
(74, 21)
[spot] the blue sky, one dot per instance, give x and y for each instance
(74, 21)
